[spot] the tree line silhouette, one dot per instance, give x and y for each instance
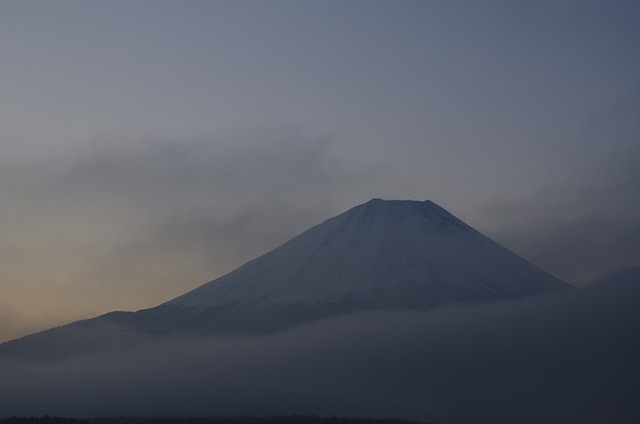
(293, 419)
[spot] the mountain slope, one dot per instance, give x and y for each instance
(375, 249)
(379, 255)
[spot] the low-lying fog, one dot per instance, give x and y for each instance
(571, 357)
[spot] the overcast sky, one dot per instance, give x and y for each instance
(148, 147)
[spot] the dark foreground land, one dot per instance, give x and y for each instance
(294, 419)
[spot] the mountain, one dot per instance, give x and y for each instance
(375, 251)
(378, 255)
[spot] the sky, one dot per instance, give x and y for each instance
(149, 147)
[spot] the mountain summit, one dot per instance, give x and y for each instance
(378, 252)
(378, 255)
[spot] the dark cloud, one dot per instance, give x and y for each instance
(585, 224)
(566, 358)
(144, 220)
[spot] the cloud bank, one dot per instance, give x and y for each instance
(585, 224)
(565, 358)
